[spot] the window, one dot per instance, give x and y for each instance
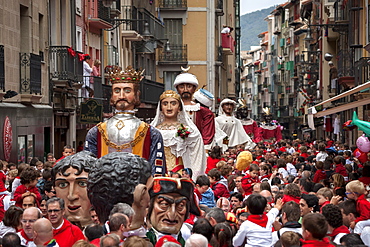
(26, 148)
(169, 78)
(79, 39)
(173, 31)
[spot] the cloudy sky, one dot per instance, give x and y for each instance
(247, 6)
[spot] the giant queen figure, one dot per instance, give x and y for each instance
(124, 132)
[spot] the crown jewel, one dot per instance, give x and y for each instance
(129, 75)
(169, 94)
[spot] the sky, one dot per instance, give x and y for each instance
(247, 6)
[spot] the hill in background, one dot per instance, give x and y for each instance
(251, 25)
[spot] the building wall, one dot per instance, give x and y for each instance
(24, 27)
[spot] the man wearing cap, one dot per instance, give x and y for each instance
(232, 126)
(124, 132)
(186, 84)
(171, 201)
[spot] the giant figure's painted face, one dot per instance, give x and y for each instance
(72, 189)
(186, 90)
(124, 96)
(168, 213)
(228, 108)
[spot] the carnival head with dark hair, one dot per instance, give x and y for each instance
(69, 177)
(118, 177)
(171, 201)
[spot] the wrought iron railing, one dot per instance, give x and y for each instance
(220, 4)
(106, 94)
(131, 16)
(177, 53)
(156, 27)
(178, 4)
(103, 12)
(340, 11)
(345, 63)
(30, 73)
(150, 91)
(135, 18)
(63, 65)
(91, 87)
(362, 71)
(2, 69)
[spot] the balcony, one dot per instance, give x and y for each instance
(177, 54)
(131, 26)
(345, 67)
(173, 4)
(98, 16)
(65, 69)
(156, 27)
(2, 69)
(340, 12)
(362, 71)
(219, 7)
(150, 91)
(30, 77)
(227, 44)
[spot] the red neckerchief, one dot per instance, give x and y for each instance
(259, 219)
(323, 242)
(24, 235)
(336, 231)
(288, 198)
(191, 219)
(325, 203)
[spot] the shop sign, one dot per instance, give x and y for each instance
(7, 138)
(91, 112)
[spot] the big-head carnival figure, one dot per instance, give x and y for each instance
(124, 132)
(250, 126)
(269, 129)
(186, 84)
(182, 140)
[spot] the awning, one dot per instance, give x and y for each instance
(343, 107)
(349, 92)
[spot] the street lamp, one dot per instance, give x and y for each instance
(328, 57)
(107, 3)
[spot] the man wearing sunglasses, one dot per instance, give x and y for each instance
(64, 232)
(30, 215)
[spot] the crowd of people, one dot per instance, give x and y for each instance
(292, 194)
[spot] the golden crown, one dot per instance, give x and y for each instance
(266, 110)
(169, 94)
(242, 104)
(129, 75)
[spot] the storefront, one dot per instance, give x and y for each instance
(30, 128)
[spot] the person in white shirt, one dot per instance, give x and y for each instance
(321, 156)
(257, 229)
(289, 216)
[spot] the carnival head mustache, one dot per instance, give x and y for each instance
(186, 95)
(135, 101)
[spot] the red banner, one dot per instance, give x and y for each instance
(7, 138)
